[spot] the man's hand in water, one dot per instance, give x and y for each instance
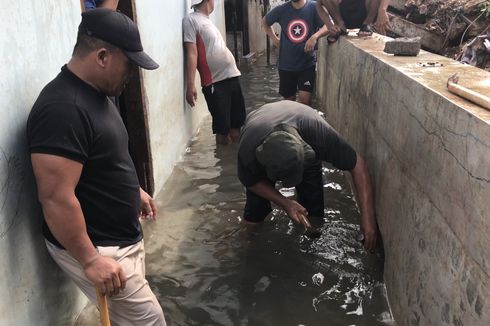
(293, 209)
(369, 231)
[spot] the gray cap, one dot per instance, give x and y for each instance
(283, 154)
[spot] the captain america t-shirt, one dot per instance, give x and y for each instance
(297, 26)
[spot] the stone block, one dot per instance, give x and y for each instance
(406, 46)
(429, 40)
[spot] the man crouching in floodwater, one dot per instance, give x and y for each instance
(287, 141)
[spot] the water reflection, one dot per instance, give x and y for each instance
(207, 269)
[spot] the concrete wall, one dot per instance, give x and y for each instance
(36, 40)
(172, 121)
(428, 152)
(257, 36)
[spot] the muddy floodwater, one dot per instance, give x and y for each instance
(207, 269)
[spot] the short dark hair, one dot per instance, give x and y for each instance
(87, 44)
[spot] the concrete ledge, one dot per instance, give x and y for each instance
(429, 155)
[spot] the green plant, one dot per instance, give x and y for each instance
(485, 8)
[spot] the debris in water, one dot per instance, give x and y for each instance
(318, 279)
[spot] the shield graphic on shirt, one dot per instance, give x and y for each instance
(297, 30)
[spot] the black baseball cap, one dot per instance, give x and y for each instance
(119, 30)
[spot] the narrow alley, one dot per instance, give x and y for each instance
(207, 269)
(77, 172)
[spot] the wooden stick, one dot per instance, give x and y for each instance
(103, 308)
(477, 98)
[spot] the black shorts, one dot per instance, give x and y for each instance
(226, 105)
(309, 195)
(353, 12)
(292, 81)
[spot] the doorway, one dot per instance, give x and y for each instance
(236, 17)
(135, 116)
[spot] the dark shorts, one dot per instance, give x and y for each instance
(292, 81)
(309, 195)
(226, 105)
(353, 12)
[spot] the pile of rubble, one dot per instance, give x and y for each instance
(458, 28)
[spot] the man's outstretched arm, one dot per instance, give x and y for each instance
(364, 190)
(56, 179)
(190, 72)
(322, 12)
(382, 20)
(325, 16)
(267, 191)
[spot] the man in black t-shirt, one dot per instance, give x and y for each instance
(86, 180)
(287, 141)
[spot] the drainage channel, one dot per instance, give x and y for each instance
(206, 269)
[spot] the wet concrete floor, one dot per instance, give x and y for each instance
(206, 269)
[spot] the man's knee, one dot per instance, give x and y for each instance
(256, 208)
(156, 317)
(147, 313)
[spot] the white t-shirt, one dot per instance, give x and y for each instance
(214, 60)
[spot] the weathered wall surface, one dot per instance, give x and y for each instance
(37, 38)
(428, 153)
(172, 121)
(257, 36)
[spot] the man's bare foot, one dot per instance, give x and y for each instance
(235, 135)
(222, 139)
(365, 30)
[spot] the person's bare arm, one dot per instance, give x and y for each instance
(190, 71)
(148, 209)
(324, 15)
(310, 44)
(270, 33)
(56, 179)
(382, 20)
(110, 4)
(364, 191)
(267, 191)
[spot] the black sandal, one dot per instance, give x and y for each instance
(332, 38)
(365, 30)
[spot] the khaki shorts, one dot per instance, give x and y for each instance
(136, 305)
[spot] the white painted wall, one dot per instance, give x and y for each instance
(36, 39)
(257, 36)
(172, 121)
